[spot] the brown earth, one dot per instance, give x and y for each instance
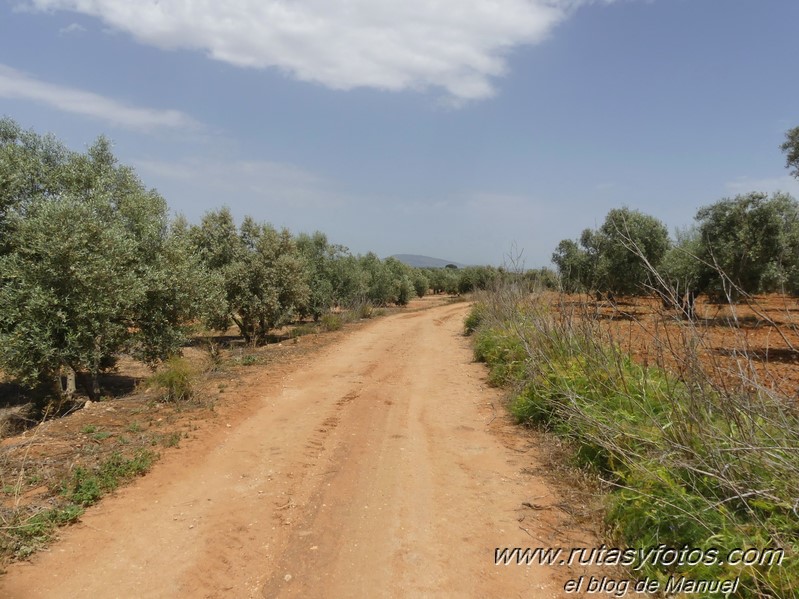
(378, 466)
(754, 342)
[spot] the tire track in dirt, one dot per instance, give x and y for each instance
(368, 471)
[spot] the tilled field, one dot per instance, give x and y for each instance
(754, 343)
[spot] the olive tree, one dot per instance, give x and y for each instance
(379, 280)
(421, 283)
(617, 258)
(473, 278)
(89, 269)
(263, 274)
(573, 264)
(350, 280)
(748, 244)
(318, 256)
(791, 149)
(630, 245)
(32, 167)
(401, 281)
(69, 292)
(443, 280)
(681, 272)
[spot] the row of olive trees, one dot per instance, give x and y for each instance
(479, 278)
(745, 244)
(270, 278)
(91, 265)
(741, 245)
(605, 259)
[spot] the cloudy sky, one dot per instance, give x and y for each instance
(455, 129)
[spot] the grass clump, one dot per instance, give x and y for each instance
(365, 310)
(474, 319)
(331, 322)
(175, 380)
(25, 530)
(27, 533)
(87, 485)
(687, 461)
(213, 351)
(504, 352)
(300, 330)
(249, 360)
(170, 440)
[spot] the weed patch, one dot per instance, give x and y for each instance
(331, 322)
(474, 319)
(175, 380)
(170, 440)
(249, 360)
(86, 486)
(687, 462)
(365, 310)
(24, 531)
(24, 534)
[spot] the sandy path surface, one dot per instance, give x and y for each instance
(376, 468)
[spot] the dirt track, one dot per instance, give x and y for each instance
(378, 468)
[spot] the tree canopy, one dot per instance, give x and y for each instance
(261, 271)
(791, 149)
(748, 244)
(617, 258)
(88, 265)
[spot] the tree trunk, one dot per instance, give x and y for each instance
(90, 381)
(68, 384)
(241, 323)
(95, 381)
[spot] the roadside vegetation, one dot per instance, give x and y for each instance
(27, 527)
(686, 461)
(92, 267)
(105, 295)
(693, 452)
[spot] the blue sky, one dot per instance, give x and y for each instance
(457, 130)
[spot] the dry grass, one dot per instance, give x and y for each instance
(694, 450)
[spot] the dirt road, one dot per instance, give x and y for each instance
(377, 469)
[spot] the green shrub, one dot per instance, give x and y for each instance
(504, 354)
(331, 322)
(175, 380)
(474, 319)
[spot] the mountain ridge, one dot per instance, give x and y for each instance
(420, 261)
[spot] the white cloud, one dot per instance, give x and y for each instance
(72, 29)
(785, 183)
(457, 45)
(18, 85)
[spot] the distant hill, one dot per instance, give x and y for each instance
(424, 261)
